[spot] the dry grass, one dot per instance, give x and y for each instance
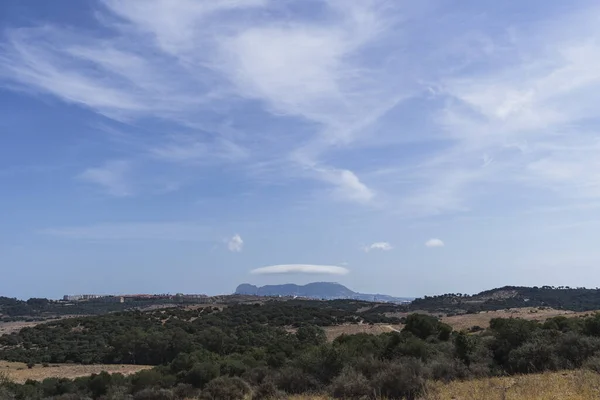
(15, 326)
(10, 327)
(351, 329)
(572, 385)
(482, 319)
(19, 373)
(333, 332)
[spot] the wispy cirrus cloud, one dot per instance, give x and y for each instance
(189, 62)
(113, 177)
(493, 110)
(300, 269)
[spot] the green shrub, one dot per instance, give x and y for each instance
(424, 326)
(311, 335)
(350, 384)
(202, 373)
(403, 380)
(531, 357)
(154, 394)
(226, 388)
(149, 378)
(267, 391)
(296, 381)
(593, 364)
(185, 391)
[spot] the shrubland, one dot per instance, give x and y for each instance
(245, 351)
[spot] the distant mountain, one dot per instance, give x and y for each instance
(316, 290)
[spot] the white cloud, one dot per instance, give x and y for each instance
(529, 115)
(113, 177)
(384, 246)
(189, 61)
(300, 269)
(434, 243)
(235, 244)
(510, 100)
(347, 185)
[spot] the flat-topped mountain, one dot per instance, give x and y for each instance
(315, 290)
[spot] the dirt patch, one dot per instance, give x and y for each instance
(334, 331)
(10, 327)
(19, 373)
(16, 326)
(482, 319)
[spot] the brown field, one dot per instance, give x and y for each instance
(572, 385)
(10, 327)
(482, 319)
(334, 331)
(19, 373)
(350, 329)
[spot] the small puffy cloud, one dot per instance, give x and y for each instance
(235, 244)
(300, 269)
(385, 246)
(434, 243)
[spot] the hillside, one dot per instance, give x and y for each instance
(316, 290)
(276, 349)
(560, 298)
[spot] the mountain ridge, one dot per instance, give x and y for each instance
(315, 290)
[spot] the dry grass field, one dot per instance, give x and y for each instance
(351, 329)
(572, 385)
(334, 331)
(19, 373)
(482, 319)
(15, 326)
(458, 322)
(10, 327)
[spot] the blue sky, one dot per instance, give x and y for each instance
(405, 148)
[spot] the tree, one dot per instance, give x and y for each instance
(311, 335)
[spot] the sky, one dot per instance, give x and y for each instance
(398, 147)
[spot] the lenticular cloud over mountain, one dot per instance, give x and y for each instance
(300, 269)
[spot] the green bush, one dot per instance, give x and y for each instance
(202, 373)
(226, 388)
(296, 381)
(424, 326)
(154, 394)
(267, 390)
(403, 380)
(350, 384)
(593, 364)
(531, 357)
(311, 335)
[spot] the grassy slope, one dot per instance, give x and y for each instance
(571, 385)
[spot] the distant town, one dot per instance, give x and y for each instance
(110, 298)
